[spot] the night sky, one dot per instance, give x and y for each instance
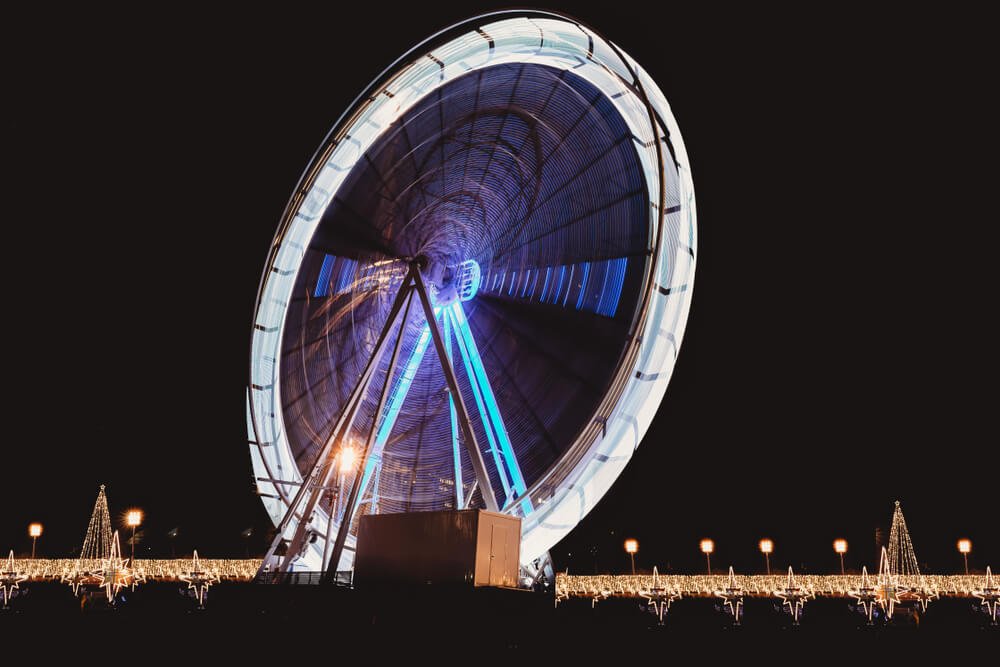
(841, 350)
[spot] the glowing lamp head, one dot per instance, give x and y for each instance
(631, 546)
(840, 546)
(348, 457)
(707, 546)
(965, 546)
(766, 546)
(133, 518)
(35, 530)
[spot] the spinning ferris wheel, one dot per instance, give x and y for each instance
(477, 291)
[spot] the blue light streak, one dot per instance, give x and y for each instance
(323, 282)
(471, 373)
(397, 397)
(492, 420)
(455, 451)
(583, 285)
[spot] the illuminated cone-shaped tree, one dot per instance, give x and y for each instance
(97, 541)
(902, 559)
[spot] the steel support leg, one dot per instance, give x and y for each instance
(348, 518)
(312, 485)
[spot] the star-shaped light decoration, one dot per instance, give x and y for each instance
(115, 572)
(10, 579)
(989, 596)
(199, 580)
(658, 597)
(923, 594)
(888, 587)
(866, 595)
(732, 595)
(793, 597)
(75, 577)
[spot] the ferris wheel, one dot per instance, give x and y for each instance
(476, 294)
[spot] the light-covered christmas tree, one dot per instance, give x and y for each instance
(97, 541)
(902, 559)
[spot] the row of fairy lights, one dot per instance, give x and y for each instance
(153, 568)
(832, 585)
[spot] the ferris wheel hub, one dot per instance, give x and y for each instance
(449, 284)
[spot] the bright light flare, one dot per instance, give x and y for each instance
(766, 546)
(964, 546)
(631, 546)
(707, 546)
(840, 546)
(35, 530)
(133, 518)
(348, 458)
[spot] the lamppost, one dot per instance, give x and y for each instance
(631, 547)
(35, 531)
(132, 519)
(840, 546)
(766, 547)
(707, 547)
(965, 546)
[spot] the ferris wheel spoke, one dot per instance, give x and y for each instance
(453, 420)
(496, 431)
(400, 390)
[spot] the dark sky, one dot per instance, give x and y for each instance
(841, 351)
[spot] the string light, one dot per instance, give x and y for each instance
(153, 569)
(860, 587)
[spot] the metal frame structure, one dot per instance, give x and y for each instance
(553, 502)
